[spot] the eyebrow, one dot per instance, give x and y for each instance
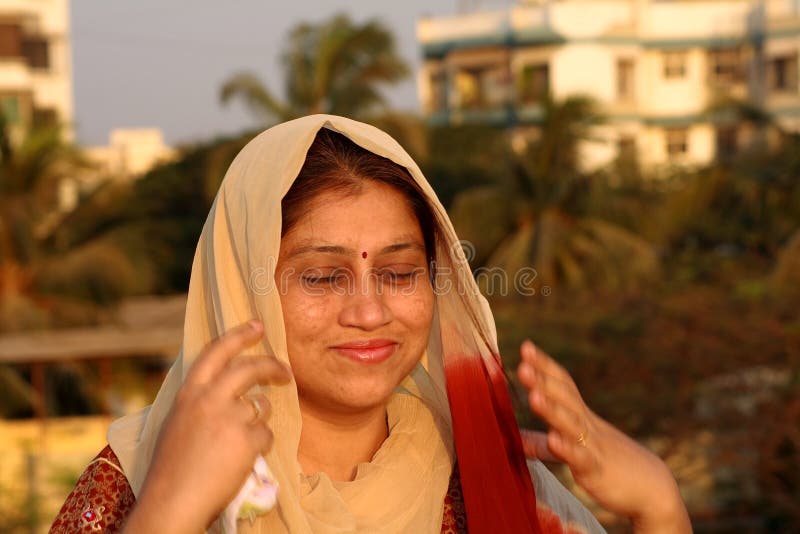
(344, 251)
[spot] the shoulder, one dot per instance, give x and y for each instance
(100, 500)
(558, 509)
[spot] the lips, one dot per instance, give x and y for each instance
(367, 351)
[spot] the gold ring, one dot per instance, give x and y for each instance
(582, 439)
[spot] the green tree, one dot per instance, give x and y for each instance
(43, 284)
(332, 67)
(154, 222)
(30, 172)
(539, 217)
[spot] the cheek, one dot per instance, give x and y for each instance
(416, 312)
(305, 316)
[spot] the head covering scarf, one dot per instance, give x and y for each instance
(455, 396)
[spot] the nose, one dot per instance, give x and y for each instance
(365, 308)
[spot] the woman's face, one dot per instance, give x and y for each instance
(356, 296)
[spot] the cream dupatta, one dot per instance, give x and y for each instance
(232, 280)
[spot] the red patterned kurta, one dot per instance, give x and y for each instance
(100, 501)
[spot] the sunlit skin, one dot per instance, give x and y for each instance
(352, 271)
(358, 306)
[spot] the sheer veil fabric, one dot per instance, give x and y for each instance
(232, 280)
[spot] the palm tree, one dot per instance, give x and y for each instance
(41, 282)
(332, 67)
(539, 220)
(30, 172)
(747, 201)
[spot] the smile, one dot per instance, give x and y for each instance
(370, 351)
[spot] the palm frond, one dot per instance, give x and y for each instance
(255, 95)
(482, 216)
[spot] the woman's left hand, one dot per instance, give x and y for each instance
(621, 475)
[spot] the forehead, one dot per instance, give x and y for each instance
(375, 216)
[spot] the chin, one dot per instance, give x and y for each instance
(366, 396)
(354, 397)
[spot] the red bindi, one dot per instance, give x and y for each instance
(364, 254)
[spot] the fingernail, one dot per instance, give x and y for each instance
(256, 325)
(528, 348)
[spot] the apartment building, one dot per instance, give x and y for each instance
(658, 70)
(35, 64)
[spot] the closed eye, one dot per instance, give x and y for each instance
(400, 275)
(321, 277)
(321, 280)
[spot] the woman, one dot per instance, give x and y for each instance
(333, 326)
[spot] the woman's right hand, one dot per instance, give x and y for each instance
(211, 437)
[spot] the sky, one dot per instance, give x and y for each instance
(160, 63)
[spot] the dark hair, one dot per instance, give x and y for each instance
(335, 164)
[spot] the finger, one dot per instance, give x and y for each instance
(535, 446)
(544, 363)
(245, 373)
(261, 438)
(557, 416)
(546, 366)
(579, 457)
(552, 388)
(219, 352)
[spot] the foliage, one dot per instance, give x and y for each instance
(778, 465)
(539, 216)
(552, 163)
(459, 157)
(153, 224)
(785, 278)
(334, 67)
(30, 172)
(16, 395)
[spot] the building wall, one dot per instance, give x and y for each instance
(131, 152)
(38, 89)
(658, 69)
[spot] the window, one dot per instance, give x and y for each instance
(782, 73)
(534, 82)
(482, 87)
(674, 65)
(36, 53)
(727, 65)
(10, 40)
(468, 88)
(677, 142)
(625, 79)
